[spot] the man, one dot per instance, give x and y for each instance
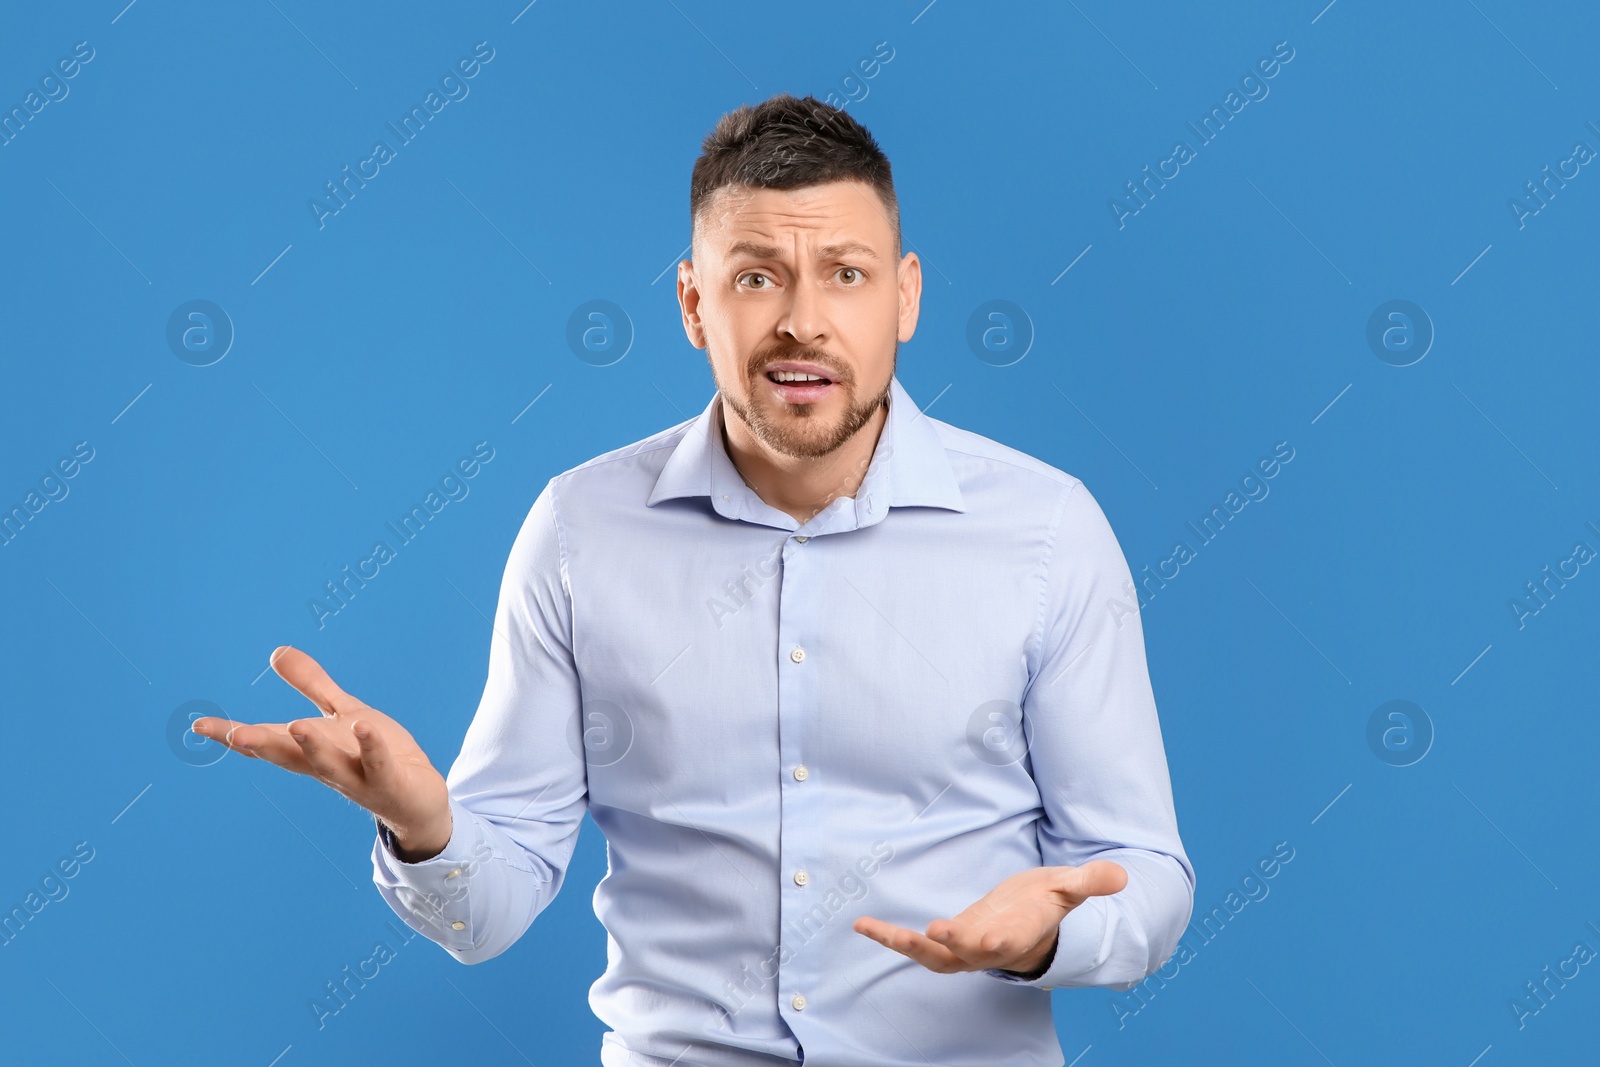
(875, 764)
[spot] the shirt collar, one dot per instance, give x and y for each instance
(909, 466)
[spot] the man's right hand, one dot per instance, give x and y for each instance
(354, 749)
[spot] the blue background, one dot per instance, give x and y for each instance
(1229, 314)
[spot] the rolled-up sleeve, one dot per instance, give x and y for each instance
(1097, 757)
(518, 788)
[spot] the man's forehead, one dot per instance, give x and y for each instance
(742, 219)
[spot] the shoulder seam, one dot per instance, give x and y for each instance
(602, 460)
(1018, 466)
(561, 536)
(1047, 561)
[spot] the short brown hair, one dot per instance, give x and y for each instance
(786, 142)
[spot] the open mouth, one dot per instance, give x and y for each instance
(797, 378)
(800, 387)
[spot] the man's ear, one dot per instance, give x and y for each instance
(909, 279)
(689, 303)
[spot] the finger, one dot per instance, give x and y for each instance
(307, 675)
(375, 757)
(979, 946)
(268, 741)
(925, 951)
(328, 762)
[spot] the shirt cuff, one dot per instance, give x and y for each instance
(1078, 942)
(432, 895)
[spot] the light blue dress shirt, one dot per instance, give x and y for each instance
(780, 726)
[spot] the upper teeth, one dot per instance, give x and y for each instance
(795, 376)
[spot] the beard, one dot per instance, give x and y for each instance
(801, 431)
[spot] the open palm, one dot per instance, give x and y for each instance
(1011, 928)
(352, 748)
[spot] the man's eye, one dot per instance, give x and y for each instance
(754, 274)
(854, 273)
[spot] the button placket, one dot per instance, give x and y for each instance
(799, 817)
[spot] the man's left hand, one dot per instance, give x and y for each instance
(1014, 926)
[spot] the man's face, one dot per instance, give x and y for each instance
(799, 301)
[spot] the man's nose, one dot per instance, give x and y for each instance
(804, 317)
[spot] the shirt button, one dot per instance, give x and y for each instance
(800, 773)
(458, 925)
(801, 878)
(798, 655)
(455, 873)
(802, 538)
(799, 1002)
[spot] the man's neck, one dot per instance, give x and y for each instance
(801, 487)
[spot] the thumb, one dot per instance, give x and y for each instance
(1097, 878)
(308, 676)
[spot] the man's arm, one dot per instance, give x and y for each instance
(1096, 753)
(518, 789)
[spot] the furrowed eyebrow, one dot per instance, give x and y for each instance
(848, 248)
(833, 251)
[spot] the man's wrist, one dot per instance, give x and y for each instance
(420, 846)
(1039, 971)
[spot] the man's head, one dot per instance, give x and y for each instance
(796, 269)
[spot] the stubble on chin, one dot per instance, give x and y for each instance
(798, 431)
